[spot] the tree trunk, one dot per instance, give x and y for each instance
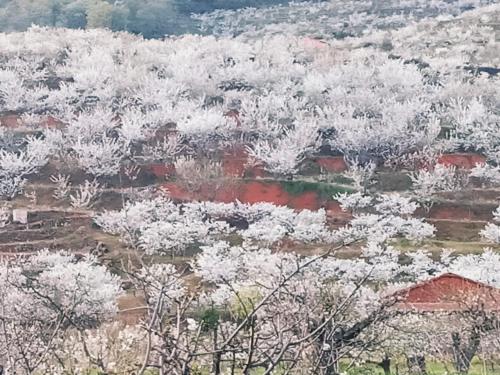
(463, 354)
(233, 364)
(416, 365)
(386, 365)
(161, 370)
(328, 362)
(216, 360)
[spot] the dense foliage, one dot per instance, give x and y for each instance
(151, 18)
(229, 287)
(280, 97)
(157, 18)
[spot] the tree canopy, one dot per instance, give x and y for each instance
(151, 18)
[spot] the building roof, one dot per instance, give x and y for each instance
(448, 293)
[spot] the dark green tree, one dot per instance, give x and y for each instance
(73, 14)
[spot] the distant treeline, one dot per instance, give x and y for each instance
(151, 18)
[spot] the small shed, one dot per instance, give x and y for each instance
(448, 293)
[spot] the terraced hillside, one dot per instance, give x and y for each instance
(215, 143)
(261, 200)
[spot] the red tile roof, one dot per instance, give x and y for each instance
(448, 292)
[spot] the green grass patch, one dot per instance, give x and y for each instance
(436, 246)
(398, 367)
(392, 181)
(324, 190)
(478, 367)
(341, 179)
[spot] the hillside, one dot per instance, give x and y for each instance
(249, 201)
(237, 134)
